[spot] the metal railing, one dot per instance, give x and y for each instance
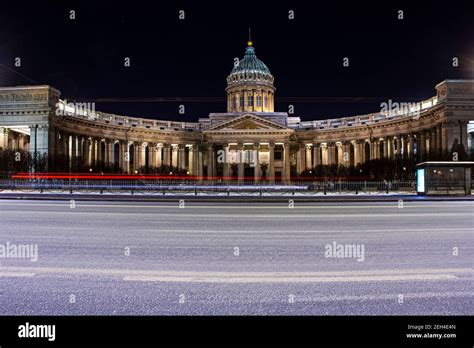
(173, 186)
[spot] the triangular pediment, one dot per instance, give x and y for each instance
(247, 123)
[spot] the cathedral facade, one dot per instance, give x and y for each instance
(251, 141)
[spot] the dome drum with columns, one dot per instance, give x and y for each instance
(250, 85)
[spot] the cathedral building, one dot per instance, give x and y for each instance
(251, 141)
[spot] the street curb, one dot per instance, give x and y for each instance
(228, 199)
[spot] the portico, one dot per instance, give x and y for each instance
(247, 144)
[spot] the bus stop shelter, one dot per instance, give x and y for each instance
(444, 178)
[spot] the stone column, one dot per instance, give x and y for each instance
(357, 152)
(95, 150)
(385, 142)
(241, 164)
(377, 148)
(439, 139)
(421, 144)
(398, 143)
(127, 156)
(271, 161)
(121, 156)
(195, 162)
(6, 131)
(159, 155)
(372, 149)
(73, 152)
(433, 142)
(257, 171)
(107, 152)
(331, 153)
(445, 135)
(390, 148)
(127, 162)
(33, 144)
(116, 150)
(65, 139)
(100, 155)
(346, 157)
(191, 159)
(181, 156)
(226, 164)
(364, 155)
(198, 165)
(286, 177)
(21, 142)
(404, 146)
(87, 151)
(340, 154)
(112, 152)
(167, 154)
(411, 146)
(43, 138)
(136, 157)
(308, 161)
(316, 154)
(81, 147)
(151, 155)
(470, 143)
(210, 161)
(174, 156)
(325, 154)
(142, 153)
(300, 159)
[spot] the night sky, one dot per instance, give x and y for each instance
(190, 59)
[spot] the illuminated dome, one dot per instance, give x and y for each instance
(250, 85)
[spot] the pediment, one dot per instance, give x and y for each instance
(247, 123)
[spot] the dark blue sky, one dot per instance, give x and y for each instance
(393, 59)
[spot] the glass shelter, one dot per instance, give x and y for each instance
(444, 178)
